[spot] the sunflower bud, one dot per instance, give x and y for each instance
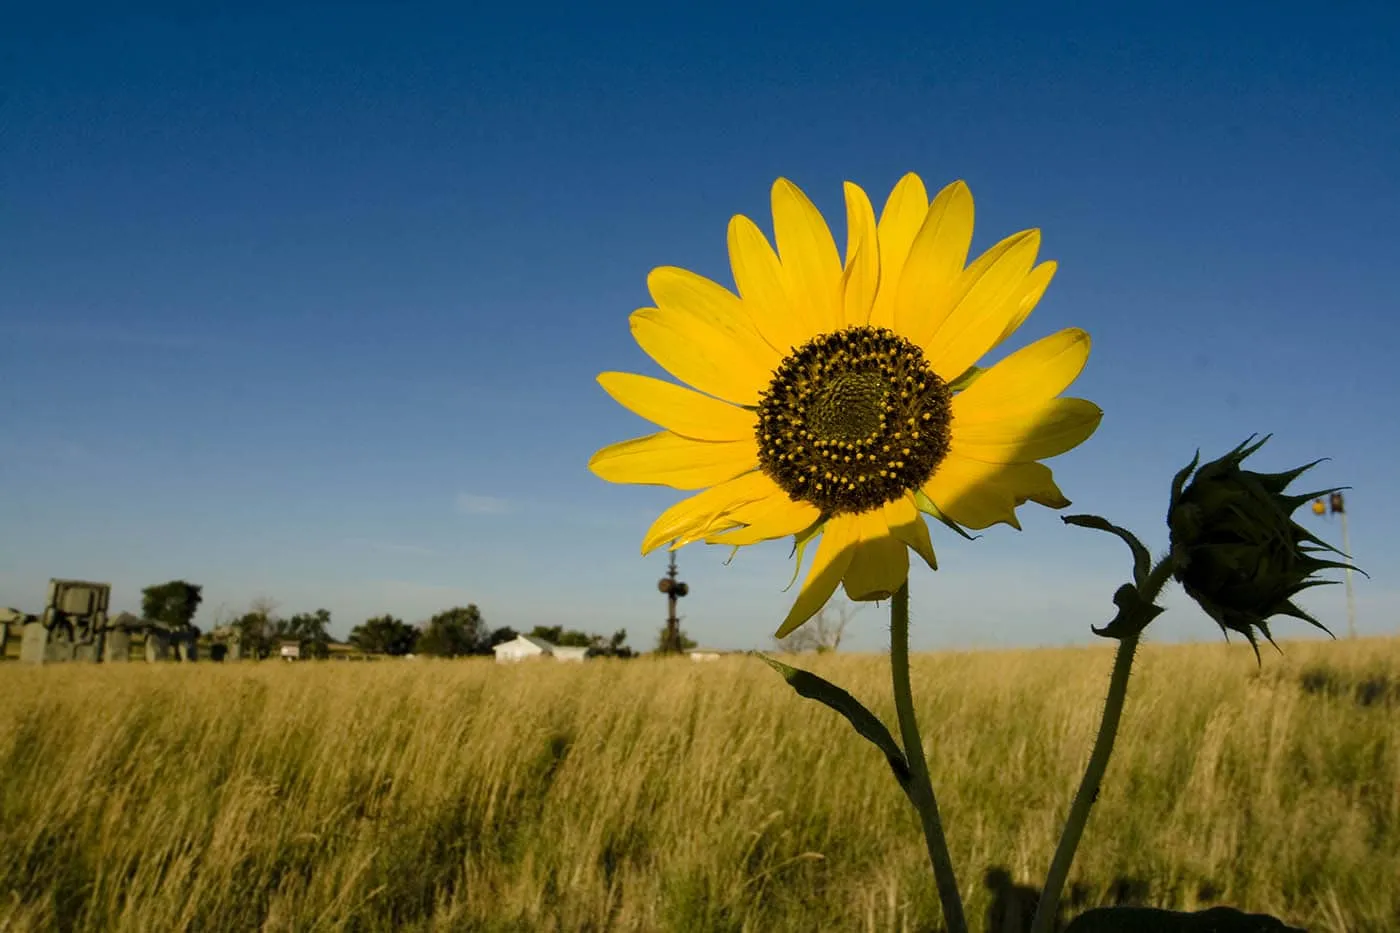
(1235, 548)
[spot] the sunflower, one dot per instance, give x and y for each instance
(842, 399)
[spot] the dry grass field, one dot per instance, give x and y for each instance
(671, 795)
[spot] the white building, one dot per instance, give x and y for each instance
(705, 654)
(524, 647)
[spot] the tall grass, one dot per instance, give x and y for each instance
(670, 795)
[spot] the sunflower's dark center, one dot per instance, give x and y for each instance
(853, 420)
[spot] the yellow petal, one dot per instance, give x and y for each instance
(691, 518)
(665, 459)
(700, 333)
(928, 285)
(980, 317)
(1026, 378)
(776, 516)
(900, 221)
(833, 558)
(1045, 430)
(1034, 482)
(906, 523)
(984, 262)
(972, 493)
(979, 495)
(759, 278)
(1031, 292)
(677, 409)
(811, 264)
(698, 354)
(881, 561)
(862, 277)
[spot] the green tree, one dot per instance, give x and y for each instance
(665, 644)
(173, 603)
(550, 633)
(257, 628)
(499, 637)
(454, 633)
(597, 645)
(385, 635)
(614, 647)
(307, 629)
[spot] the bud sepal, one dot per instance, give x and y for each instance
(1235, 548)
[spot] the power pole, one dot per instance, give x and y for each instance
(1337, 506)
(674, 590)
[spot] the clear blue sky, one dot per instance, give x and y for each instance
(306, 301)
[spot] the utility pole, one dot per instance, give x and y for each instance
(674, 590)
(1337, 506)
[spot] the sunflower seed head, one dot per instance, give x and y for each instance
(1235, 547)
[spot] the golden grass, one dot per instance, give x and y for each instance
(670, 795)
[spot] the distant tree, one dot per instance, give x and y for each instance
(173, 603)
(614, 647)
(309, 630)
(666, 645)
(824, 631)
(257, 628)
(385, 635)
(499, 637)
(549, 633)
(457, 632)
(568, 638)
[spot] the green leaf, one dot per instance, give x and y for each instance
(1142, 560)
(861, 719)
(1134, 614)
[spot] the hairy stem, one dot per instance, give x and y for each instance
(1098, 763)
(1088, 787)
(921, 789)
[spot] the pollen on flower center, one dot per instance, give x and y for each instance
(852, 420)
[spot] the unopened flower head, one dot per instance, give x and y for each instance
(1235, 547)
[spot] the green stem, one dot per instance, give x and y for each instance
(1098, 763)
(921, 788)
(1088, 787)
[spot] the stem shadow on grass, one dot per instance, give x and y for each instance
(1120, 906)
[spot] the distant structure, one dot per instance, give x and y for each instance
(1337, 506)
(10, 617)
(162, 641)
(227, 643)
(526, 647)
(674, 590)
(74, 626)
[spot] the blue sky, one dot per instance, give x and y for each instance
(306, 301)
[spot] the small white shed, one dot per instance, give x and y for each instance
(523, 647)
(563, 653)
(705, 654)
